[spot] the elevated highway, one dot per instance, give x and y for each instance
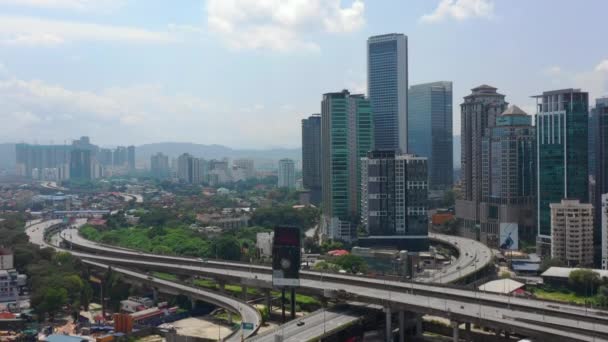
(248, 313)
(534, 318)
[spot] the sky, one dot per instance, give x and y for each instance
(243, 73)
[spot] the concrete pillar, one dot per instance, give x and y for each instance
(244, 292)
(192, 302)
(418, 325)
(389, 329)
(155, 295)
(221, 285)
(507, 335)
(455, 331)
(229, 317)
(401, 326)
(467, 327)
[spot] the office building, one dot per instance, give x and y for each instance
(603, 209)
(387, 87)
(104, 156)
(159, 166)
(81, 165)
(561, 138)
(131, 158)
(394, 201)
(572, 232)
(429, 130)
(508, 177)
(478, 112)
(287, 174)
(599, 145)
(347, 134)
(311, 157)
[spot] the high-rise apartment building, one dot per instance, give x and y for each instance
(189, 169)
(561, 138)
(599, 130)
(287, 174)
(81, 164)
(429, 130)
(347, 134)
(603, 209)
(478, 113)
(245, 166)
(131, 157)
(311, 156)
(508, 177)
(159, 166)
(120, 157)
(387, 87)
(29, 157)
(394, 201)
(572, 232)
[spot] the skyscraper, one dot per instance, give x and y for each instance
(387, 87)
(159, 166)
(603, 208)
(347, 134)
(246, 165)
(600, 166)
(508, 177)
(429, 130)
(394, 201)
(478, 112)
(561, 138)
(189, 169)
(287, 174)
(311, 156)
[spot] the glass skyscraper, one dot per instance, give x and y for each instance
(311, 156)
(346, 136)
(561, 138)
(387, 86)
(429, 130)
(600, 170)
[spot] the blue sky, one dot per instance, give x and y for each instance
(243, 73)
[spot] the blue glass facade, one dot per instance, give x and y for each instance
(387, 89)
(429, 124)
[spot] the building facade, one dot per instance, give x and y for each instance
(478, 113)
(131, 158)
(347, 134)
(81, 165)
(508, 177)
(159, 166)
(572, 232)
(287, 174)
(189, 169)
(11, 282)
(604, 236)
(394, 201)
(387, 87)
(311, 157)
(429, 130)
(246, 166)
(600, 165)
(561, 138)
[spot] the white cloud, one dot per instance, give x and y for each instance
(460, 10)
(77, 5)
(280, 25)
(29, 31)
(37, 110)
(603, 66)
(553, 71)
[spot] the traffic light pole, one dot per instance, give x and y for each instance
(293, 303)
(283, 304)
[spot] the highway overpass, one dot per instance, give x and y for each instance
(534, 318)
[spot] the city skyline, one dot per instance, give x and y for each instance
(125, 80)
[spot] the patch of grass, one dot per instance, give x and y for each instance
(165, 276)
(563, 295)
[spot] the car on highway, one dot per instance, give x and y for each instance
(300, 323)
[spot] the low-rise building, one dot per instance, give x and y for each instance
(11, 282)
(223, 221)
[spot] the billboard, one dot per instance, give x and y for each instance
(286, 257)
(509, 236)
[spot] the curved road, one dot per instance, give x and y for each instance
(247, 312)
(522, 315)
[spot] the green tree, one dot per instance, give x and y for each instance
(550, 262)
(227, 248)
(584, 281)
(351, 263)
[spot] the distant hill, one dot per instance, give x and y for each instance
(263, 158)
